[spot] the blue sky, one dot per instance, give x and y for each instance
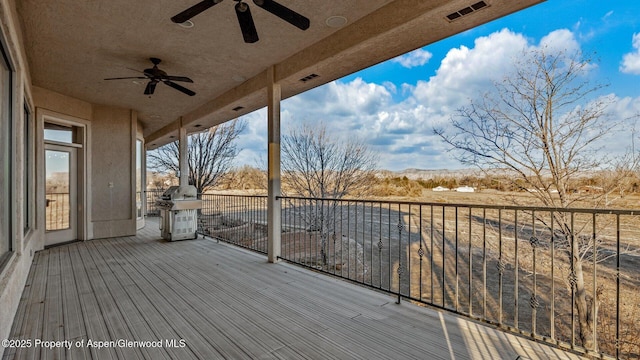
(394, 106)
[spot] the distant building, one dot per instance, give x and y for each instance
(465, 189)
(440, 188)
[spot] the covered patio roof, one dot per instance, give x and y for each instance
(204, 300)
(72, 48)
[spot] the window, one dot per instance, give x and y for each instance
(6, 147)
(59, 133)
(26, 170)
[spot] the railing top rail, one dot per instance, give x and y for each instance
(474, 206)
(235, 195)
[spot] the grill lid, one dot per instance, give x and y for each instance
(180, 193)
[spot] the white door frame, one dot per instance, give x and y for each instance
(69, 233)
(83, 145)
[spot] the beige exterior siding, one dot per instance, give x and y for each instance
(110, 150)
(111, 187)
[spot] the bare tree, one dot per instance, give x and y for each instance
(245, 177)
(545, 123)
(210, 154)
(318, 165)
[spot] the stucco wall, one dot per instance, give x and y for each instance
(113, 149)
(111, 163)
(14, 273)
(62, 104)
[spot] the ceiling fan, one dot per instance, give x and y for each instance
(245, 19)
(156, 76)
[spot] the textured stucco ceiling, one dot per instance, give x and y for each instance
(72, 46)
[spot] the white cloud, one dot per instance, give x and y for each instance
(625, 111)
(402, 132)
(413, 59)
(631, 61)
(560, 40)
(468, 72)
(253, 141)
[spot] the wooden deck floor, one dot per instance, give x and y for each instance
(216, 301)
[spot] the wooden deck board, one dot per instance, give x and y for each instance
(133, 320)
(226, 302)
(222, 317)
(74, 328)
(33, 321)
(21, 313)
(174, 311)
(93, 320)
(53, 329)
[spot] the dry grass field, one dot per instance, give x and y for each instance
(57, 211)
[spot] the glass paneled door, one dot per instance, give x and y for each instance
(61, 194)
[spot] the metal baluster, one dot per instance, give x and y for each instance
(364, 224)
(348, 239)
(595, 282)
(389, 244)
(380, 245)
(501, 266)
(572, 281)
(552, 316)
(444, 245)
(431, 257)
(314, 255)
(408, 252)
(516, 270)
(307, 216)
(234, 211)
(371, 243)
(470, 289)
(420, 250)
(334, 236)
(617, 286)
(399, 252)
(457, 291)
(533, 302)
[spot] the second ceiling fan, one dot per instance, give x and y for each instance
(247, 26)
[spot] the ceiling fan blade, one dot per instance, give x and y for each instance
(177, 78)
(194, 10)
(136, 70)
(151, 87)
(121, 78)
(284, 13)
(179, 88)
(248, 27)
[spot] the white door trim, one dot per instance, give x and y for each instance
(66, 203)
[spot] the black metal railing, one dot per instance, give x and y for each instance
(151, 197)
(504, 265)
(57, 215)
(236, 219)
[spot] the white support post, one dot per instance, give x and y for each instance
(183, 164)
(274, 225)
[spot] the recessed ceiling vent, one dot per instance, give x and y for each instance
(238, 108)
(466, 11)
(309, 77)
